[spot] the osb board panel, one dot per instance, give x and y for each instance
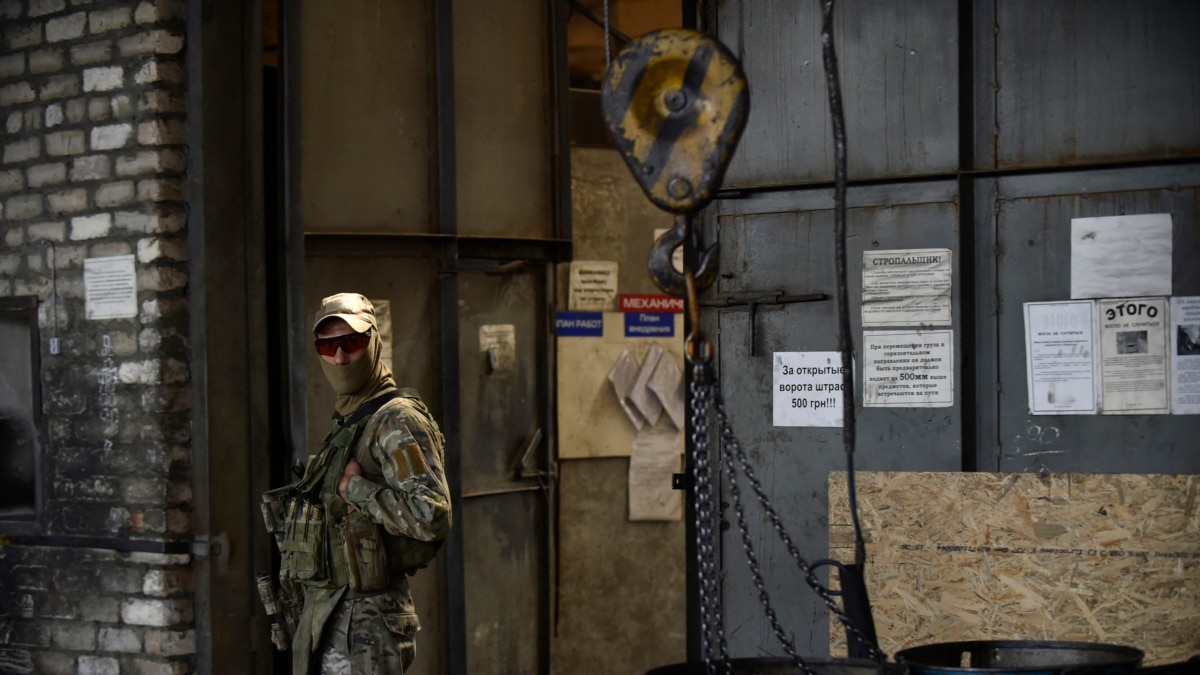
(1111, 558)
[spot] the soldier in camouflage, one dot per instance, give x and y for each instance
(384, 507)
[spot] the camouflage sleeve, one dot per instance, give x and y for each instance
(413, 500)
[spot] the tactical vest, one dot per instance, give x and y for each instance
(324, 544)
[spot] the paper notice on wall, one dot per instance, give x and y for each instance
(1121, 256)
(667, 385)
(1060, 353)
(640, 395)
(1185, 356)
(593, 286)
(622, 377)
(499, 341)
(1133, 356)
(109, 287)
(807, 389)
(653, 460)
(908, 369)
(907, 287)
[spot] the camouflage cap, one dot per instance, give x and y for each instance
(353, 308)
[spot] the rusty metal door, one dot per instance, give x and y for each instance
(505, 498)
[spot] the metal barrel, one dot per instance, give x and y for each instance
(1023, 657)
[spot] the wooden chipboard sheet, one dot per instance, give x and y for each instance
(591, 422)
(1108, 558)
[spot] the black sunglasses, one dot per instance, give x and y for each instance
(349, 343)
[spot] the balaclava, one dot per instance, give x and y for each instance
(366, 377)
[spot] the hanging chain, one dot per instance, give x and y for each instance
(607, 38)
(712, 629)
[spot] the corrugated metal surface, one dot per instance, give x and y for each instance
(1033, 226)
(502, 85)
(899, 65)
(366, 105)
(504, 517)
(1095, 80)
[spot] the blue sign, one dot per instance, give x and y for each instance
(579, 324)
(642, 324)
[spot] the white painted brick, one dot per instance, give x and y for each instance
(98, 109)
(61, 143)
(45, 61)
(91, 227)
(22, 150)
(113, 639)
(102, 21)
(163, 583)
(162, 559)
(91, 167)
(54, 115)
(143, 372)
(68, 201)
(76, 109)
(20, 37)
(66, 28)
(140, 612)
(147, 161)
(152, 249)
(114, 194)
(160, 10)
(162, 132)
(60, 86)
(98, 665)
(160, 190)
(50, 231)
(161, 100)
(76, 636)
(14, 122)
(16, 94)
(14, 237)
(10, 9)
(111, 137)
(44, 7)
(12, 65)
(33, 119)
(91, 52)
(161, 278)
(103, 79)
(121, 107)
(157, 41)
(23, 207)
(170, 643)
(155, 71)
(12, 180)
(47, 174)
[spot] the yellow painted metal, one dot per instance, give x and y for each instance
(675, 102)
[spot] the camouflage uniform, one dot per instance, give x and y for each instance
(403, 488)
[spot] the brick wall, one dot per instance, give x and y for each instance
(92, 165)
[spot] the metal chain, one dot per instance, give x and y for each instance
(607, 39)
(712, 629)
(730, 443)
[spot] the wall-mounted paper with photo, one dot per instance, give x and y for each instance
(1185, 355)
(1133, 356)
(1060, 352)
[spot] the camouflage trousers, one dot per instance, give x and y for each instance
(368, 636)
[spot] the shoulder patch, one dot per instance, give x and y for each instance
(409, 458)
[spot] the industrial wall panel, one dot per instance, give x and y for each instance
(1033, 224)
(1094, 80)
(503, 556)
(621, 587)
(790, 248)
(500, 399)
(898, 62)
(502, 86)
(366, 112)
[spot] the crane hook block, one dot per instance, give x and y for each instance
(675, 102)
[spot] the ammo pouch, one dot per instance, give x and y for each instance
(361, 555)
(302, 547)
